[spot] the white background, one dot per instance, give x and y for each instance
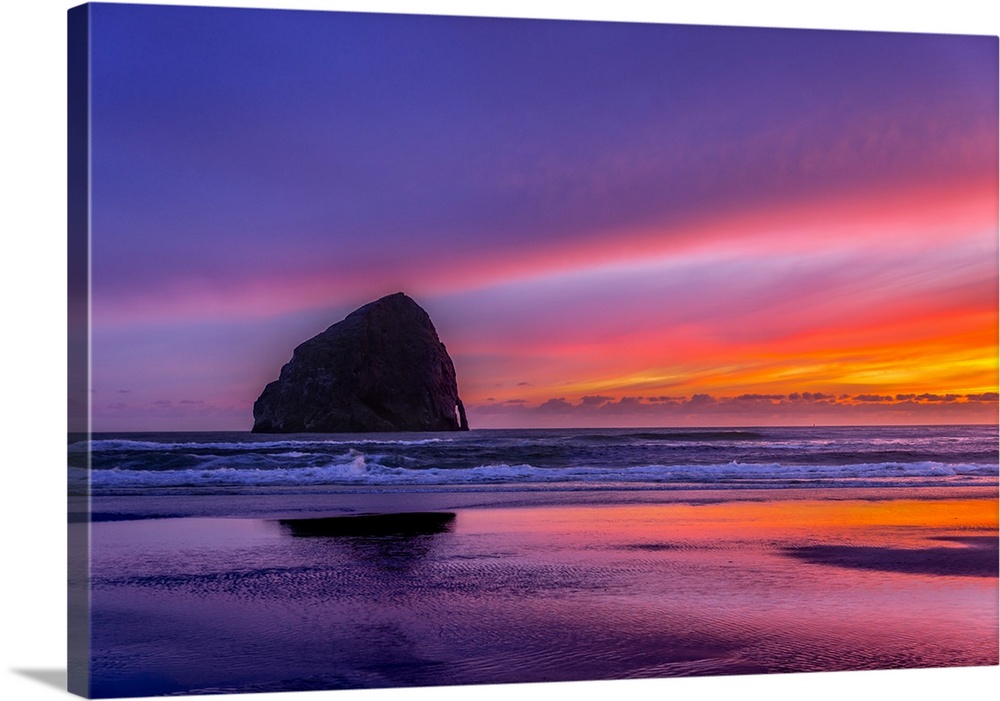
(33, 358)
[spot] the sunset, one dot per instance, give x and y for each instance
(647, 236)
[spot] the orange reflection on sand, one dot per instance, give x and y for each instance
(788, 520)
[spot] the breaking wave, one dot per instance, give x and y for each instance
(656, 459)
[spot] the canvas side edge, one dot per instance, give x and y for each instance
(78, 351)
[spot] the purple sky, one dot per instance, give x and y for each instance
(549, 191)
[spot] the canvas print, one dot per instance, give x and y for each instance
(431, 350)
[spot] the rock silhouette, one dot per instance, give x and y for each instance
(383, 368)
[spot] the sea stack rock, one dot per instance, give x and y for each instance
(382, 368)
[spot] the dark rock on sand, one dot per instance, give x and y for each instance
(977, 557)
(404, 524)
(382, 368)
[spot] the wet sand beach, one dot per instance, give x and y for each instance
(473, 588)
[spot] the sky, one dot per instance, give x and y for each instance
(610, 224)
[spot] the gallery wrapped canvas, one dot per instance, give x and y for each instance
(423, 351)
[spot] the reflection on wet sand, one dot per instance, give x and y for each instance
(793, 582)
(394, 543)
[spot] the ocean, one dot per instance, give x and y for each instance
(552, 459)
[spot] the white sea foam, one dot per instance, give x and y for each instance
(661, 459)
(355, 468)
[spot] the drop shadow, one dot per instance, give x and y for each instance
(56, 678)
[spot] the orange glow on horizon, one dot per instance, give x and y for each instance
(932, 353)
